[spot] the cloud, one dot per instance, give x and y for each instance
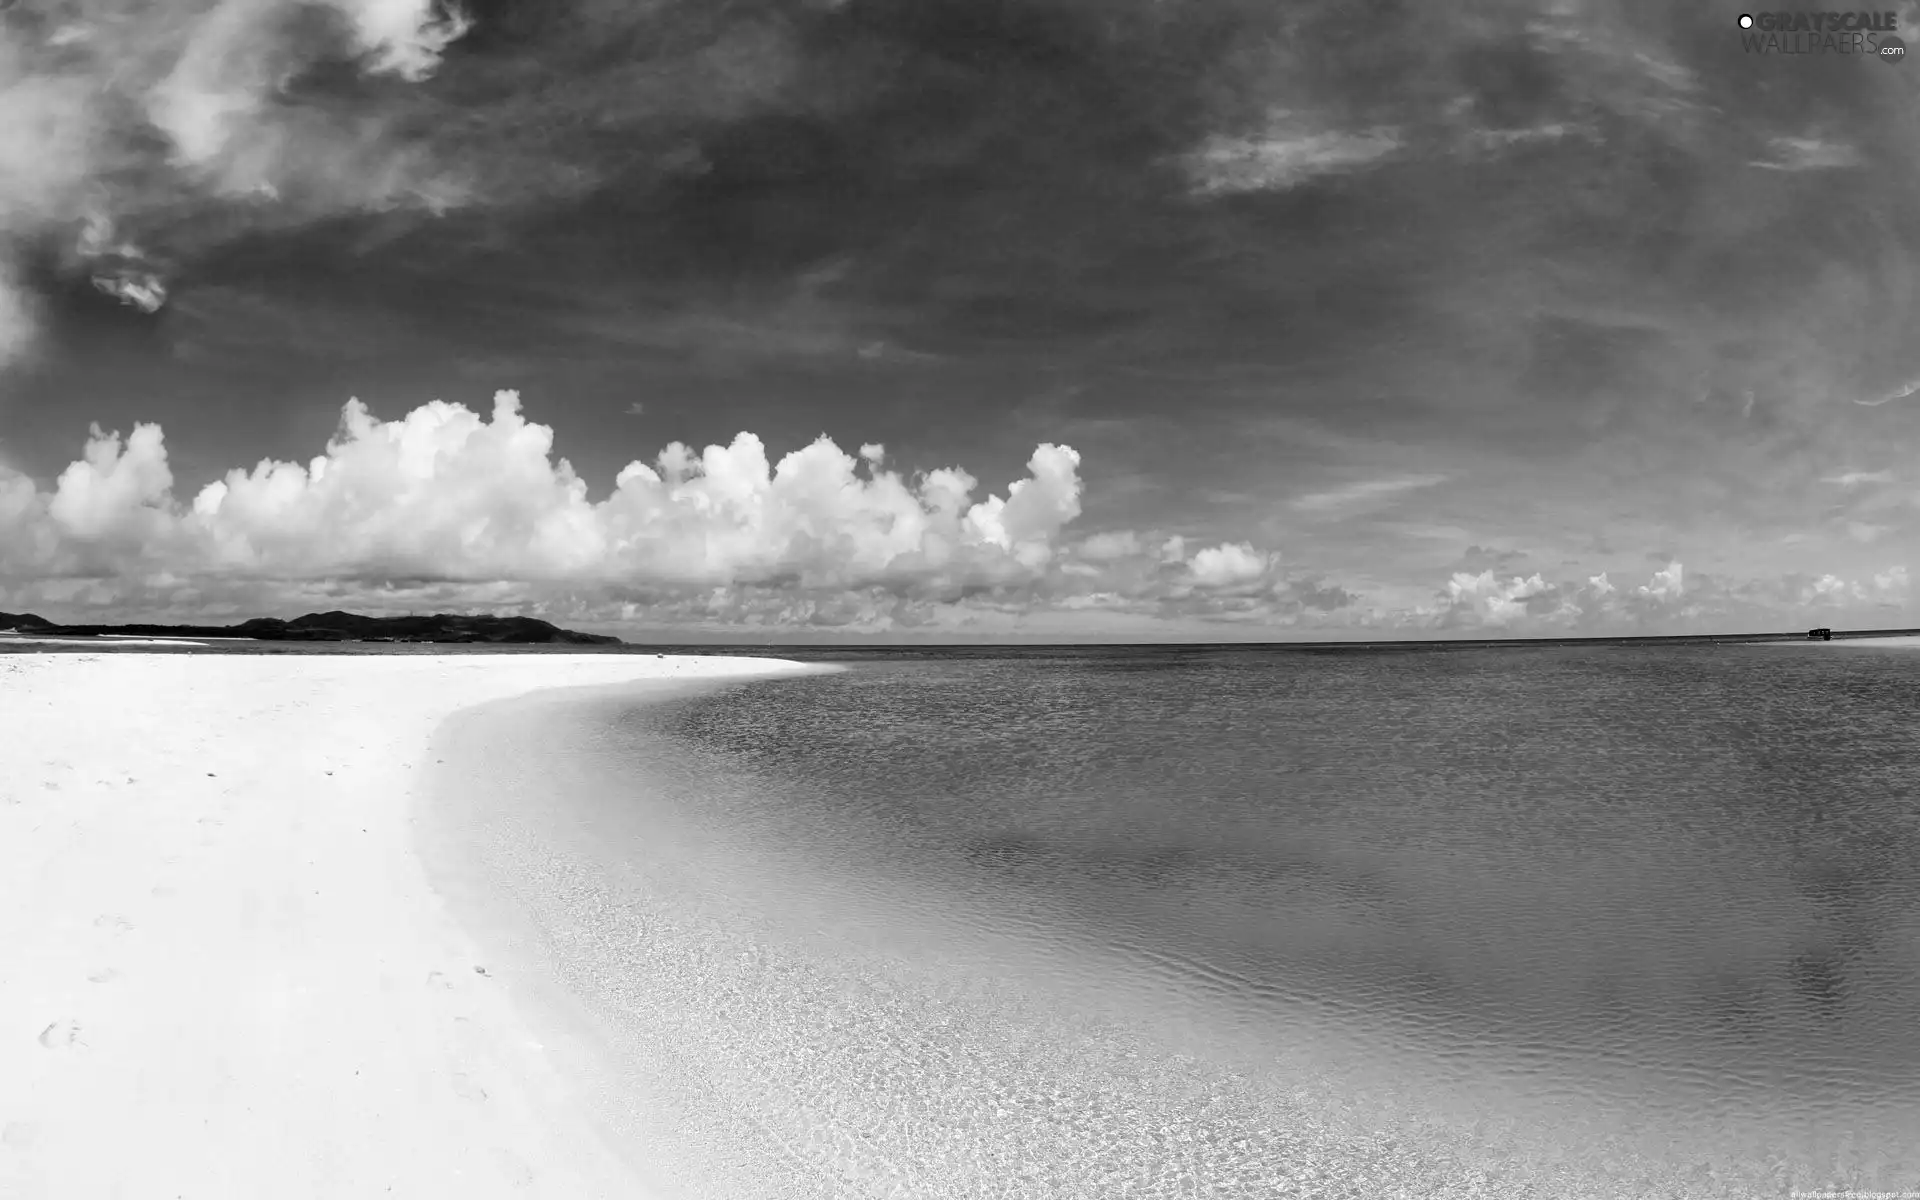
(1899, 393)
(1808, 154)
(1102, 547)
(405, 37)
(1520, 605)
(1493, 140)
(1856, 478)
(1667, 584)
(1364, 492)
(1283, 155)
(1885, 588)
(445, 509)
(131, 120)
(1485, 599)
(443, 494)
(17, 320)
(1227, 565)
(1320, 597)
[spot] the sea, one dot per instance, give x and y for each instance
(1568, 921)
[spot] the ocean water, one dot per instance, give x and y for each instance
(1556, 922)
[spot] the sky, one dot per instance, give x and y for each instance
(957, 320)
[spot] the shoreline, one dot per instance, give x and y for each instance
(706, 1006)
(1898, 642)
(229, 970)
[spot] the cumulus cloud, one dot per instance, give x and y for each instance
(1669, 602)
(1886, 587)
(444, 507)
(445, 494)
(1489, 600)
(1523, 604)
(1227, 564)
(124, 113)
(1666, 584)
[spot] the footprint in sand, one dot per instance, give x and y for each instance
(466, 1088)
(104, 975)
(60, 1035)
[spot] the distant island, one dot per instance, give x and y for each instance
(331, 627)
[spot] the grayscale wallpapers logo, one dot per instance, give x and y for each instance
(1868, 34)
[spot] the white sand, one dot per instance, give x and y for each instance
(112, 639)
(1871, 643)
(222, 970)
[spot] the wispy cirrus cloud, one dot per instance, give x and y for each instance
(1899, 393)
(1289, 151)
(1363, 493)
(1808, 154)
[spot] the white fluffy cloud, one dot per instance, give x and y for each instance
(1228, 564)
(1521, 603)
(444, 494)
(448, 508)
(1490, 601)
(1883, 587)
(1668, 583)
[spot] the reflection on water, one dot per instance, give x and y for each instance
(1514, 922)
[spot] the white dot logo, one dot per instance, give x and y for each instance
(1746, 21)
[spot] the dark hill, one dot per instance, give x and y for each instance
(338, 627)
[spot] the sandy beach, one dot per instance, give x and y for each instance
(1869, 643)
(226, 972)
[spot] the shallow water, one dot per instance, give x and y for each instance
(1521, 922)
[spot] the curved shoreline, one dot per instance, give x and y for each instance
(228, 972)
(664, 948)
(487, 804)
